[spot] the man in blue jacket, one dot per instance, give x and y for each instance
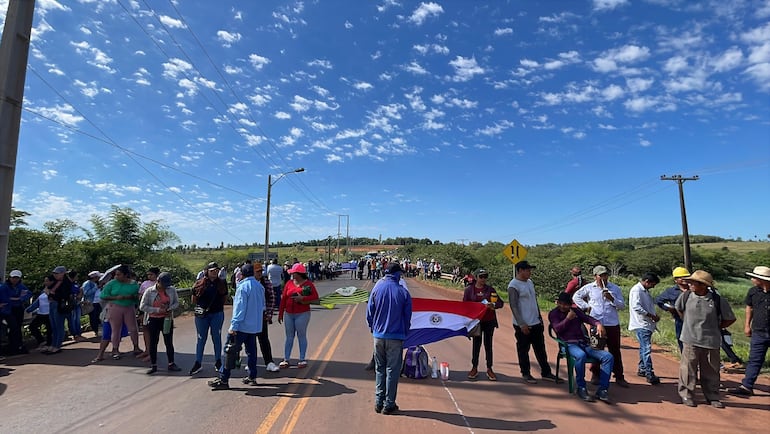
(389, 315)
(248, 309)
(15, 294)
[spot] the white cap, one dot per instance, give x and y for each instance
(15, 273)
(94, 274)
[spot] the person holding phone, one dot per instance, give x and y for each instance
(602, 300)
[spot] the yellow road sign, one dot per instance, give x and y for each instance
(515, 252)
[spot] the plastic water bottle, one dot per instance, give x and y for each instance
(444, 370)
(434, 370)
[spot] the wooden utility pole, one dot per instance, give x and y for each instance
(685, 235)
(14, 52)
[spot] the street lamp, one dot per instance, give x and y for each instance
(270, 184)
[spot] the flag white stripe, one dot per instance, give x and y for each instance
(441, 320)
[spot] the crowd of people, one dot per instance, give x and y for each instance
(119, 306)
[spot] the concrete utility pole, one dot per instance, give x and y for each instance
(339, 234)
(685, 235)
(14, 52)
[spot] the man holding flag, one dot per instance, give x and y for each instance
(389, 314)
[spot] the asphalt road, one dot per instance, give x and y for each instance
(65, 393)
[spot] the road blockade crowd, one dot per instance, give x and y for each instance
(116, 302)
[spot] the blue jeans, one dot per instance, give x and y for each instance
(57, 324)
(579, 352)
(212, 322)
(295, 323)
(74, 321)
(277, 290)
(249, 340)
(644, 337)
(760, 342)
(678, 323)
(388, 356)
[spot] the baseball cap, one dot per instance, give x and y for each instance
(211, 265)
(524, 265)
(16, 273)
(394, 268)
(600, 269)
(59, 269)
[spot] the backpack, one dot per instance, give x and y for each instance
(416, 363)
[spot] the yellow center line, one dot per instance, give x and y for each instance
(272, 417)
(294, 416)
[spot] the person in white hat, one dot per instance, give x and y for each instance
(757, 327)
(13, 294)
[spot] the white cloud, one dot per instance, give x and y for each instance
(362, 85)
(496, 129)
(609, 60)
(174, 67)
(228, 39)
(761, 74)
(612, 92)
(257, 61)
(463, 103)
(282, 115)
(64, 113)
(465, 68)
(504, 31)
(730, 59)
(637, 85)
(415, 68)
(675, 64)
(758, 35)
(172, 22)
(320, 63)
(424, 11)
(527, 63)
(348, 25)
(760, 53)
(640, 104)
(607, 5)
(49, 174)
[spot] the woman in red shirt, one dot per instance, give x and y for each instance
(298, 294)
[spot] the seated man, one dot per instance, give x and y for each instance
(568, 322)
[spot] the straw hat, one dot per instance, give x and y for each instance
(701, 277)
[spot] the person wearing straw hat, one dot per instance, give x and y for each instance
(704, 314)
(756, 327)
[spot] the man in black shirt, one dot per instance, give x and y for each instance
(757, 327)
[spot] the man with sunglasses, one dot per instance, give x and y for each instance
(480, 292)
(528, 323)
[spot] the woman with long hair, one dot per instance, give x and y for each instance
(159, 302)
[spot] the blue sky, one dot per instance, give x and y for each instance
(453, 120)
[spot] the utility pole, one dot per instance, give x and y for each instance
(685, 235)
(14, 52)
(339, 234)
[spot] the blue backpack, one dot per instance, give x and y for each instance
(416, 363)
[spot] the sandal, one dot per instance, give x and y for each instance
(97, 359)
(283, 365)
(137, 352)
(302, 364)
(115, 356)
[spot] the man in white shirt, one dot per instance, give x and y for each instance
(643, 319)
(528, 323)
(275, 274)
(602, 299)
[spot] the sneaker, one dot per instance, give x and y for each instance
(717, 404)
(218, 365)
(196, 368)
(390, 410)
(218, 384)
(283, 365)
(491, 375)
(622, 382)
(653, 379)
(172, 367)
(741, 391)
(689, 402)
(603, 395)
(473, 373)
(551, 377)
(152, 370)
(582, 393)
(272, 367)
(641, 373)
(302, 364)
(529, 379)
(249, 381)
(378, 408)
